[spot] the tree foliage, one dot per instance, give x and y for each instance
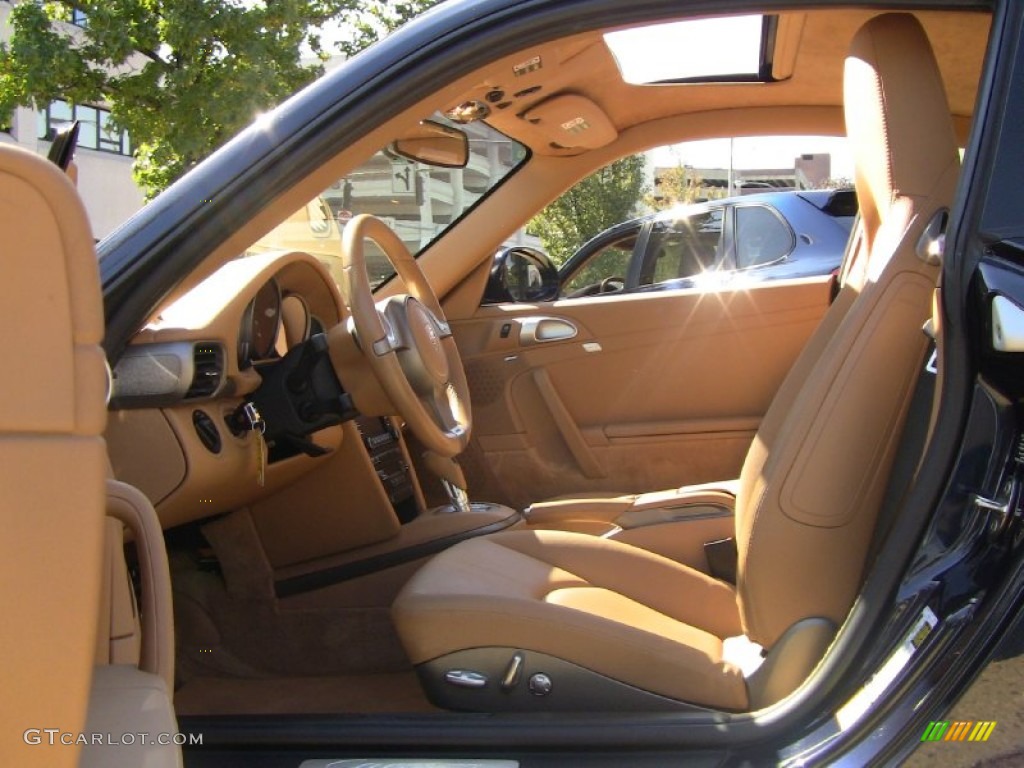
(677, 185)
(601, 200)
(837, 182)
(181, 76)
(373, 19)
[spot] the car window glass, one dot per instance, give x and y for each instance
(761, 236)
(663, 188)
(609, 263)
(683, 247)
(417, 201)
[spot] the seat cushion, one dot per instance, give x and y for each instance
(614, 609)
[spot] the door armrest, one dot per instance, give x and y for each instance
(606, 512)
(588, 508)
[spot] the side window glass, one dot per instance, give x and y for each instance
(683, 247)
(603, 272)
(761, 236)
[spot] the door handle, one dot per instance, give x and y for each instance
(566, 425)
(536, 330)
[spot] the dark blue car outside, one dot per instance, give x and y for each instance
(758, 237)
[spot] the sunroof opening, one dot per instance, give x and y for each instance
(732, 48)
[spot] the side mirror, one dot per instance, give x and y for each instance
(521, 274)
(62, 150)
(433, 143)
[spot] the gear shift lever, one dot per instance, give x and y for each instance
(452, 479)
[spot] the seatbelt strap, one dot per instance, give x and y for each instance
(924, 406)
(852, 260)
(722, 559)
(916, 431)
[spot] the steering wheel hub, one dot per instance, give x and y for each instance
(425, 342)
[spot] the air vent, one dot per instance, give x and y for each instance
(207, 370)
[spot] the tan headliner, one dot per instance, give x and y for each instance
(810, 50)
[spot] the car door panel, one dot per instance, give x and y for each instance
(653, 390)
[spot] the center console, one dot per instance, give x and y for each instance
(423, 532)
(382, 441)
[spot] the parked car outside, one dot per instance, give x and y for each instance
(758, 237)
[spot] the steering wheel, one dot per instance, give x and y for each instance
(611, 285)
(608, 285)
(407, 341)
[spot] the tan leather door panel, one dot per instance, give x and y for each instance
(631, 393)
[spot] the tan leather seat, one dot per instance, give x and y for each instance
(555, 620)
(61, 563)
(52, 457)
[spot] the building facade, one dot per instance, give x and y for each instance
(809, 171)
(103, 158)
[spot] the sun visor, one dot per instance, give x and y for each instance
(571, 121)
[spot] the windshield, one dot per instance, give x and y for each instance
(417, 201)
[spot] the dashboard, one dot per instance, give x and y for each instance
(212, 340)
(174, 428)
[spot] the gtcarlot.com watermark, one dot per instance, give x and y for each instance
(55, 736)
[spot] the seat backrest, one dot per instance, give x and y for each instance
(52, 458)
(816, 472)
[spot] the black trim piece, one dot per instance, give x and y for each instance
(318, 580)
(769, 31)
(743, 77)
(206, 430)
(569, 687)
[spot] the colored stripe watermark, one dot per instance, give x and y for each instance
(958, 730)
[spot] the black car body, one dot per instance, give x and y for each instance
(750, 238)
(945, 584)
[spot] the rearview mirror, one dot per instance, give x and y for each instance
(433, 143)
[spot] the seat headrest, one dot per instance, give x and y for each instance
(897, 115)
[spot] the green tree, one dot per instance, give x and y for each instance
(181, 76)
(373, 19)
(837, 182)
(599, 201)
(674, 186)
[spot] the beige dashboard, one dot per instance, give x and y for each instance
(171, 430)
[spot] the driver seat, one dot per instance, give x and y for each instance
(553, 620)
